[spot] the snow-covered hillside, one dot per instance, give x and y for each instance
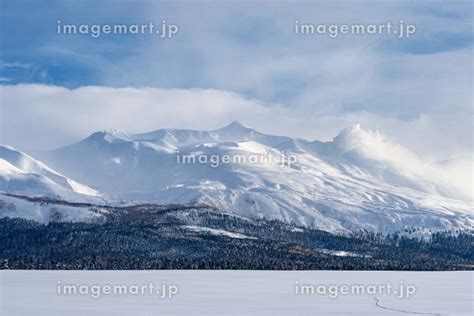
(22, 174)
(357, 181)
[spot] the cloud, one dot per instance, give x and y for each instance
(241, 61)
(47, 116)
(451, 177)
(251, 49)
(40, 116)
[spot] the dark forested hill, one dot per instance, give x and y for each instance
(185, 237)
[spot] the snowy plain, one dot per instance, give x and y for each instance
(235, 293)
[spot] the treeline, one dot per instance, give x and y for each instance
(147, 237)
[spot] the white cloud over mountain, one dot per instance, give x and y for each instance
(41, 116)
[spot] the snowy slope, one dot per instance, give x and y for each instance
(20, 174)
(357, 181)
(23, 175)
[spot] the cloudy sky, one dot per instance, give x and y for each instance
(238, 61)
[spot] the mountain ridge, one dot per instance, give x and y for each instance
(359, 180)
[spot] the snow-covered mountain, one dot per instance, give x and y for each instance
(357, 181)
(21, 174)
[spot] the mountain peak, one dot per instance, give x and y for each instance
(236, 125)
(236, 131)
(112, 131)
(109, 135)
